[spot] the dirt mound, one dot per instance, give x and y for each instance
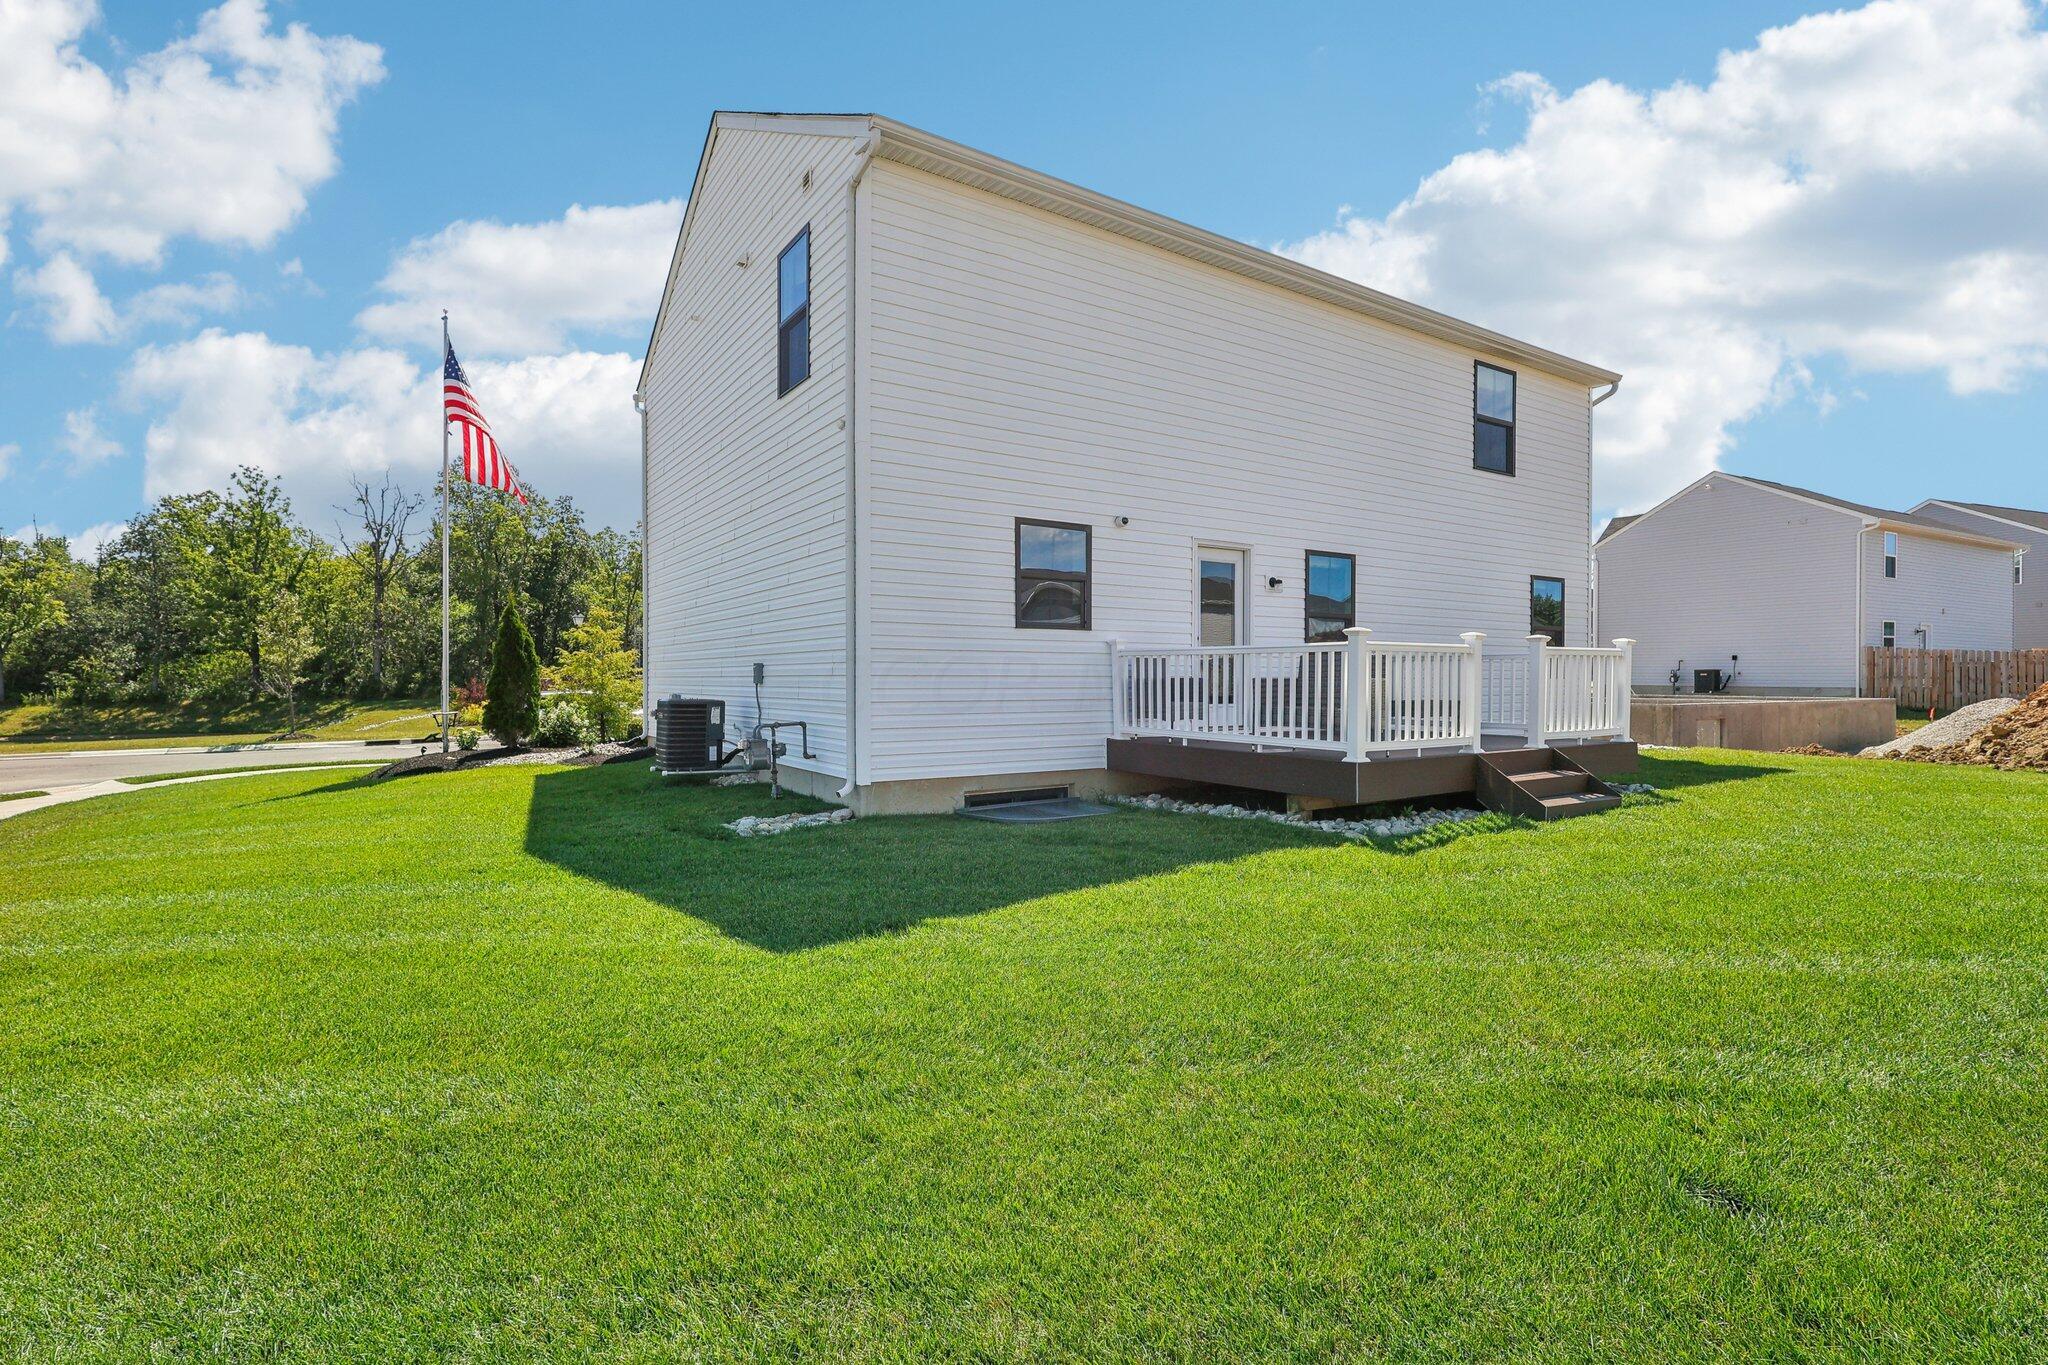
(1815, 751)
(1953, 728)
(2016, 739)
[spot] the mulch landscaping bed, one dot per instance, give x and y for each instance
(487, 758)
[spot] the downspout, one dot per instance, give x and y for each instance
(1592, 548)
(853, 268)
(1861, 532)
(646, 598)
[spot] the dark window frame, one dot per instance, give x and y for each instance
(1507, 426)
(1888, 634)
(1891, 554)
(1308, 557)
(1086, 578)
(1558, 579)
(783, 326)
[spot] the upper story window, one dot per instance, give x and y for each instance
(1891, 554)
(1493, 418)
(1330, 604)
(1052, 575)
(1546, 608)
(793, 314)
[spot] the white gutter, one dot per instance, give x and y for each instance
(853, 269)
(646, 598)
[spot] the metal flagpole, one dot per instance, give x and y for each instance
(444, 534)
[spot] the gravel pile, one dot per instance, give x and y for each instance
(2018, 738)
(754, 826)
(1953, 728)
(1391, 827)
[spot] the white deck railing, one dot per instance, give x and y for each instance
(1402, 695)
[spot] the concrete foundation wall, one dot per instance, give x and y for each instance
(1847, 724)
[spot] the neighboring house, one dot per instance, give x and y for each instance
(1783, 587)
(2029, 529)
(924, 431)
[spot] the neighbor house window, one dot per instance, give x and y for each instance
(1891, 554)
(1493, 418)
(793, 314)
(1891, 635)
(1546, 608)
(1052, 575)
(1330, 603)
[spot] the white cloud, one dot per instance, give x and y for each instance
(85, 545)
(1865, 185)
(83, 441)
(218, 136)
(72, 306)
(518, 288)
(224, 399)
(74, 310)
(8, 453)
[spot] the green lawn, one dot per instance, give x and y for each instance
(529, 1063)
(42, 726)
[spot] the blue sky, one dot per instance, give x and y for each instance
(1309, 128)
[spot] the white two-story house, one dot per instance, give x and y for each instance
(1781, 589)
(930, 438)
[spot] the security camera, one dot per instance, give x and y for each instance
(1121, 521)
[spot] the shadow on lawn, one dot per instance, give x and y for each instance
(618, 825)
(1671, 774)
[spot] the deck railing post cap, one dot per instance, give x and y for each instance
(1357, 632)
(1537, 639)
(1471, 636)
(1624, 643)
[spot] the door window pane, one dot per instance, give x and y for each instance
(1219, 602)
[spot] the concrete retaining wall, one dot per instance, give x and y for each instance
(1847, 724)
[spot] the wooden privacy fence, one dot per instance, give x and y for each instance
(1947, 678)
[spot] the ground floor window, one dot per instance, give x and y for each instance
(1052, 575)
(1330, 599)
(1891, 635)
(1546, 607)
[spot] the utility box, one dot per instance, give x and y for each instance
(689, 733)
(1706, 680)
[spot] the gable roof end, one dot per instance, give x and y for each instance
(913, 147)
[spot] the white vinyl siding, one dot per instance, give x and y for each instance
(746, 489)
(2030, 596)
(1961, 593)
(1726, 568)
(1024, 365)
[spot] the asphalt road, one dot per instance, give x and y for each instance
(48, 772)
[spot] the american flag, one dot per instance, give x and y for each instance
(482, 461)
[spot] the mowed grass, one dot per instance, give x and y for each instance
(42, 726)
(526, 1063)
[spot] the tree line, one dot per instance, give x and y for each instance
(226, 596)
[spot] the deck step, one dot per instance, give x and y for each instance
(1541, 784)
(1576, 803)
(1552, 783)
(1514, 762)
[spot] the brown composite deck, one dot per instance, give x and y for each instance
(1326, 776)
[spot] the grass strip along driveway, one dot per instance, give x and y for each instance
(525, 1062)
